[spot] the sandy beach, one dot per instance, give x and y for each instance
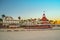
(31, 35)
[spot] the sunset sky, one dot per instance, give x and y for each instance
(30, 8)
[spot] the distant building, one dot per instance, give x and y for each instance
(42, 23)
(9, 21)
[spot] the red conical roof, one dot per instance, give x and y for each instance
(44, 18)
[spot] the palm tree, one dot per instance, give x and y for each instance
(3, 15)
(1, 22)
(55, 21)
(19, 20)
(51, 21)
(19, 17)
(1, 19)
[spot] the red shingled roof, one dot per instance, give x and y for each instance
(44, 18)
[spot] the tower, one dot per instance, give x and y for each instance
(44, 22)
(44, 17)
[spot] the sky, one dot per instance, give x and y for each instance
(30, 8)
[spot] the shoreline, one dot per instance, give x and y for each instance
(21, 29)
